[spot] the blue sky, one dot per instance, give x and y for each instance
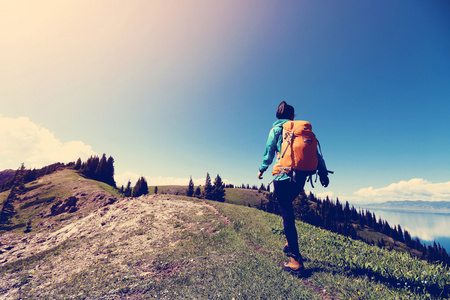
(173, 89)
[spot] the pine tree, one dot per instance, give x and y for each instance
(30, 175)
(18, 186)
(198, 192)
(401, 237)
(407, 238)
(218, 190)
(128, 189)
(78, 164)
(208, 188)
(347, 212)
(190, 190)
(141, 187)
(101, 171)
(262, 187)
(110, 172)
(90, 167)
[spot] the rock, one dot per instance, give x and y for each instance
(68, 205)
(109, 201)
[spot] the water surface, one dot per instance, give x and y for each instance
(427, 226)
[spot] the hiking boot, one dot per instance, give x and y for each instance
(294, 266)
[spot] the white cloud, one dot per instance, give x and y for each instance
(414, 189)
(174, 181)
(122, 179)
(22, 141)
(324, 195)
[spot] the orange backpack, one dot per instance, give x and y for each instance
(298, 150)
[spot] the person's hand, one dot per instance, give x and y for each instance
(260, 175)
(324, 179)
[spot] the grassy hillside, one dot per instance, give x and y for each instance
(174, 247)
(39, 195)
(247, 197)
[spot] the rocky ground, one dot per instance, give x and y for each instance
(138, 225)
(81, 226)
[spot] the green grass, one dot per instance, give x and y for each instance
(58, 188)
(244, 197)
(3, 196)
(242, 261)
(169, 189)
(237, 196)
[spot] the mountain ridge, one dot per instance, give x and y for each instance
(413, 205)
(6, 175)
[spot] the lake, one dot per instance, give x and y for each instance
(428, 227)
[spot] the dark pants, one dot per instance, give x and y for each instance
(286, 191)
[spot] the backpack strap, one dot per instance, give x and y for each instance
(291, 137)
(320, 149)
(309, 178)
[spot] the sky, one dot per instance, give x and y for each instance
(177, 89)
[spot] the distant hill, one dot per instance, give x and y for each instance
(6, 175)
(240, 196)
(416, 206)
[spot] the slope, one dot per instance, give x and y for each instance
(175, 247)
(40, 203)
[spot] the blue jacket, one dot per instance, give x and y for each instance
(273, 146)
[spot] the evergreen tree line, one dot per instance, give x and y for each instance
(248, 187)
(343, 219)
(210, 191)
(28, 175)
(139, 189)
(97, 169)
(214, 192)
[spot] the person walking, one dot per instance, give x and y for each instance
(287, 186)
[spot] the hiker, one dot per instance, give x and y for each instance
(287, 186)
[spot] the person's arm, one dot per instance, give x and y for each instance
(270, 151)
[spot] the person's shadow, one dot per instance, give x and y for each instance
(418, 286)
